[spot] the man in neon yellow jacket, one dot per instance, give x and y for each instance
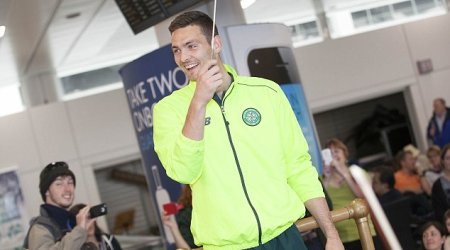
(237, 142)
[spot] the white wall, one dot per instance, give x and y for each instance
(348, 70)
(94, 131)
(87, 133)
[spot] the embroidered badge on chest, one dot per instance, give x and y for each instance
(251, 116)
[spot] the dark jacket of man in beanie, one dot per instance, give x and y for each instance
(56, 227)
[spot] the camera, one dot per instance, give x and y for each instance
(98, 210)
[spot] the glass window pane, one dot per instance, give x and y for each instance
(345, 17)
(300, 16)
(10, 100)
(403, 9)
(89, 80)
(424, 5)
(305, 31)
(380, 14)
(360, 18)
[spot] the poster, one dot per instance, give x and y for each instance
(296, 96)
(13, 219)
(147, 80)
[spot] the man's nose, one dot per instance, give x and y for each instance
(184, 56)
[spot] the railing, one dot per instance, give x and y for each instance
(357, 210)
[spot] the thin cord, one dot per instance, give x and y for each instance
(213, 29)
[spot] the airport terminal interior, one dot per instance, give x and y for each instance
(370, 71)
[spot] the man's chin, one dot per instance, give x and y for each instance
(66, 205)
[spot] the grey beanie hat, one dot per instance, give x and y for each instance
(50, 173)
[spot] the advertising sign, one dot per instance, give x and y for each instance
(296, 96)
(13, 219)
(146, 81)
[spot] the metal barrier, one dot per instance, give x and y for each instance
(357, 210)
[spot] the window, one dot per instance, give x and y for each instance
(300, 16)
(306, 33)
(348, 18)
(403, 9)
(91, 82)
(10, 100)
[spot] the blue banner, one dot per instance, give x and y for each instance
(297, 99)
(146, 81)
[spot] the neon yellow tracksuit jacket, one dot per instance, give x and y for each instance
(250, 175)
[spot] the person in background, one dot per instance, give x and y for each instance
(440, 195)
(435, 170)
(182, 224)
(438, 130)
(236, 141)
(96, 236)
(433, 236)
(56, 227)
(383, 183)
(410, 184)
(422, 162)
(342, 190)
(447, 226)
(406, 178)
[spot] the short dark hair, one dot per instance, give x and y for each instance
(386, 175)
(401, 156)
(436, 224)
(194, 18)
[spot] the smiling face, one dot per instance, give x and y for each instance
(61, 192)
(338, 154)
(432, 238)
(446, 159)
(191, 49)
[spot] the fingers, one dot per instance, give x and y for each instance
(209, 80)
(209, 73)
(83, 219)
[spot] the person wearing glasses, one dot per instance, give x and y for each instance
(56, 227)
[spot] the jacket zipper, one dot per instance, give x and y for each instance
(227, 124)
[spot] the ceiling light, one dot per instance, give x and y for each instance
(246, 3)
(2, 31)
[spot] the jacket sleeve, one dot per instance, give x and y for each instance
(302, 176)
(40, 238)
(430, 123)
(181, 157)
(438, 200)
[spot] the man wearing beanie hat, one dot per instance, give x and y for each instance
(56, 227)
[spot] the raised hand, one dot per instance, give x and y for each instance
(209, 79)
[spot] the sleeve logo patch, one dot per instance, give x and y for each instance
(251, 117)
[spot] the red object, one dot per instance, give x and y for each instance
(172, 208)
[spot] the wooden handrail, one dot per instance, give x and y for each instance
(357, 210)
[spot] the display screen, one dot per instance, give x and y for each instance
(143, 14)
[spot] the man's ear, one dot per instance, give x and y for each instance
(217, 44)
